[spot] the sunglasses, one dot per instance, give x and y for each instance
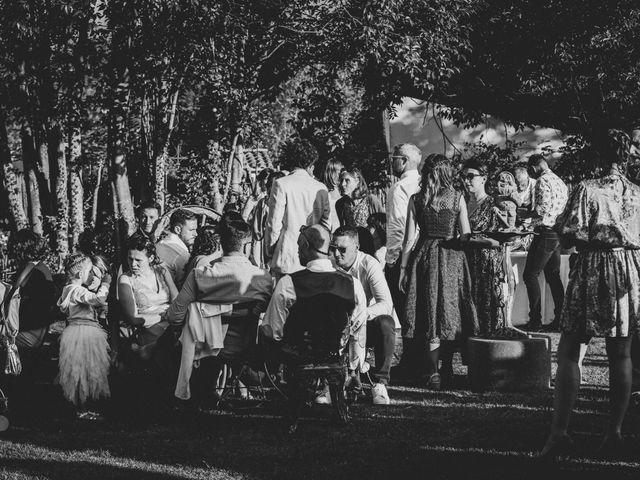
(335, 248)
(470, 176)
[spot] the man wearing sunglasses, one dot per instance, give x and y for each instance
(404, 165)
(381, 326)
(296, 298)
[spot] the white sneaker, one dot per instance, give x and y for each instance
(324, 398)
(380, 395)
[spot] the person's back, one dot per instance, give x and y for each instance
(612, 209)
(296, 200)
(440, 217)
(324, 301)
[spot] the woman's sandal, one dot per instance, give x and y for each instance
(556, 447)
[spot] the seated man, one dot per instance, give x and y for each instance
(230, 279)
(148, 214)
(296, 296)
(173, 250)
(381, 327)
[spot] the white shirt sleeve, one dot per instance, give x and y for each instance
(284, 296)
(277, 204)
(396, 219)
(358, 328)
(379, 289)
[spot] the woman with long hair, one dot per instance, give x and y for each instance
(356, 204)
(434, 273)
(603, 294)
(331, 178)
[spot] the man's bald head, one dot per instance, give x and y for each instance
(406, 156)
(313, 243)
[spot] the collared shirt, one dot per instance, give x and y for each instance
(551, 198)
(227, 280)
(284, 296)
(368, 271)
(397, 206)
(175, 255)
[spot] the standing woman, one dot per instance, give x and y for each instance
(331, 178)
(603, 294)
(356, 204)
(434, 275)
(489, 261)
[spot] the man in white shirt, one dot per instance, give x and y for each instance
(381, 326)
(296, 200)
(404, 164)
(321, 280)
(173, 250)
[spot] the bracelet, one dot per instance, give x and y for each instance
(403, 267)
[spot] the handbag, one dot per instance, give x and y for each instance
(10, 324)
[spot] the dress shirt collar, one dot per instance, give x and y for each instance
(300, 171)
(175, 239)
(356, 264)
(320, 265)
(235, 259)
(410, 173)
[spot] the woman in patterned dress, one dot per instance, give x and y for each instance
(489, 261)
(356, 204)
(603, 294)
(434, 273)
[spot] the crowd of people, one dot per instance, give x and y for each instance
(426, 269)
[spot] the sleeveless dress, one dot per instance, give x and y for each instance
(151, 302)
(439, 304)
(489, 272)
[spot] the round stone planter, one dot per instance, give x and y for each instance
(509, 365)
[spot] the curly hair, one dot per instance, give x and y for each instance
(298, 153)
(142, 243)
(207, 241)
(26, 246)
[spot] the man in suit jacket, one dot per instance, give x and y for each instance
(296, 200)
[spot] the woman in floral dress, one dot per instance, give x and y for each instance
(603, 294)
(489, 262)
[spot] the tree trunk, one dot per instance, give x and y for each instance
(96, 195)
(76, 194)
(44, 171)
(31, 180)
(160, 161)
(62, 198)
(9, 178)
(227, 186)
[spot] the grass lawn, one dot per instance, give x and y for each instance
(443, 435)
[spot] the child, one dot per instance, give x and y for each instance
(84, 351)
(507, 201)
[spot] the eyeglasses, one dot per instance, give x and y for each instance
(470, 176)
(397, 157)
(336, 248)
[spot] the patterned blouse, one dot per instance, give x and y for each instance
(551, 198)
(603, 213)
